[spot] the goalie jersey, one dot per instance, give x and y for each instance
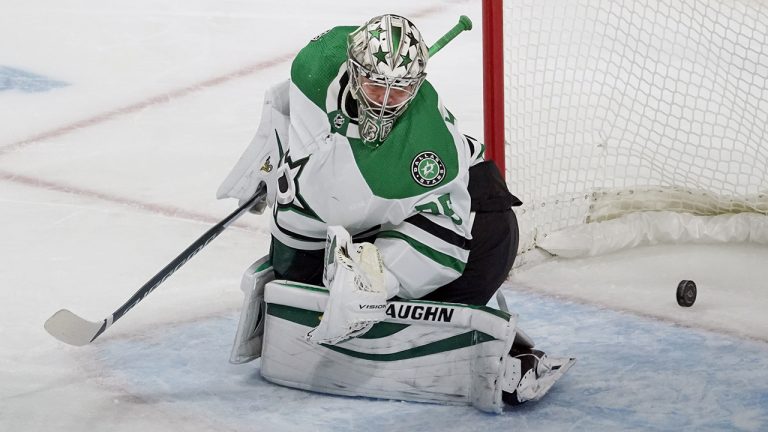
(409, 193)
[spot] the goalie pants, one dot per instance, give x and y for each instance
(495, 237)
(493, 250)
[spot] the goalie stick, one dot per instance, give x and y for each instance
(74, 330)
(464, 24)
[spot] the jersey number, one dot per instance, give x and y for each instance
(442, 206)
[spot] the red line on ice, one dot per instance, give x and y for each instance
(164, 210)
(138, 106)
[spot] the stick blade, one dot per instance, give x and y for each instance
(71, 329)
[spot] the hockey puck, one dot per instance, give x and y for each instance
(686, 293)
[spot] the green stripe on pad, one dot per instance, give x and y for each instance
(309, 318)
(463, 340)
(299, 316)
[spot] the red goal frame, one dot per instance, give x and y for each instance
(493, 82)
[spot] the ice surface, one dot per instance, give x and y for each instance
(631, 374)
(105, 180)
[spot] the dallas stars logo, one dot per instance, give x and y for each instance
(427, 169)
(288, 196)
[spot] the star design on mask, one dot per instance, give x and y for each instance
(381, 56)
(405, 60)
(375, 34)
(412, 40)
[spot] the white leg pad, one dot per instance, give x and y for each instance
(250, 328)
(424, 351)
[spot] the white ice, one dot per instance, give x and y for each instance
(109, 163)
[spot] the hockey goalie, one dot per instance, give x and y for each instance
(390, 234)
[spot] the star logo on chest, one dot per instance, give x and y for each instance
(289, 197)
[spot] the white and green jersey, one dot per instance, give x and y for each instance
(410, 192)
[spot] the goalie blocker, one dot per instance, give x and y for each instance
(423, 351)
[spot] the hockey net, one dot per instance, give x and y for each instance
(635, 122)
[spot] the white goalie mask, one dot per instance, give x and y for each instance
(387, 58)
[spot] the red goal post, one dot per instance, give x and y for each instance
(493, 81)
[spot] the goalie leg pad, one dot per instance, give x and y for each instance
(250, 328)
(423, 351)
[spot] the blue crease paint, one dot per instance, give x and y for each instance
(25, 81)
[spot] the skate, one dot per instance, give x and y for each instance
(531, 373)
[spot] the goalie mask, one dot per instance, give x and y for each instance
(387, 58)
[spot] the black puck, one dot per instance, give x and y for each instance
(686, 293)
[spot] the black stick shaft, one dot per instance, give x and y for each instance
(180, 260)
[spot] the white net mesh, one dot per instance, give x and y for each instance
(643, 105)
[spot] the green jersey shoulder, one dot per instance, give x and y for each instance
(317, 64)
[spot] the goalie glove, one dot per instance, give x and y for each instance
(355, 276)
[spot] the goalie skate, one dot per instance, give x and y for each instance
(532, 374)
